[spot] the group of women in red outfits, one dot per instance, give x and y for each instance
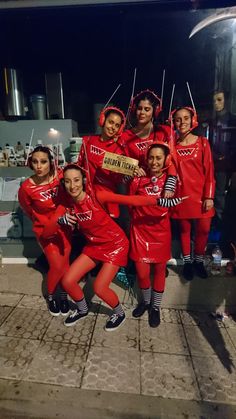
(86, 198)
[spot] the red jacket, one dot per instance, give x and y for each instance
(196, 179)
(106, 241)
(136, 147)
(95, 149)
(39, 202)
(150, 233)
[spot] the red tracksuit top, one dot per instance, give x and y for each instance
(95, 148)
(196, 179)
(136, 147)
(150, 233)
(39, 202)
(106, 241)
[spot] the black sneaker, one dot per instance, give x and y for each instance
(154, 318)
(74, 317)
(53, 307)
(64, 307)
(188, 272)
(200, 269)
(140, 309)
(114, 322)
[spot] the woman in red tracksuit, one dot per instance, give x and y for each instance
(38, 199)
(196, 179)
(106, 242)
(150, 233)
(94, 147)
(143, 114)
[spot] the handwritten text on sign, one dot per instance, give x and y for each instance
(119, 164)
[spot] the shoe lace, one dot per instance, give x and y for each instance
(113, 318)
(74, 314)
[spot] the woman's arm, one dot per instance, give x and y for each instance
(137, 200)
(82, 155)
(209, 187)
(51, 227)
(25, 201)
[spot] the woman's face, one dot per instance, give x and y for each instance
(183, 121)
(73, 181)
(144, 112)
(156, 160)
(111, 126)
(40, 164)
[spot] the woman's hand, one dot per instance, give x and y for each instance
(68, 219)
(138, 171)
(168, 194)
(208, 204)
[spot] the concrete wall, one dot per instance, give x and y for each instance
(21, 130)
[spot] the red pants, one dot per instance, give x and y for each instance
(79, 268)
(143, 274)
(202, 228)
(57, 253)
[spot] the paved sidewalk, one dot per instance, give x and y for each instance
(183, 369)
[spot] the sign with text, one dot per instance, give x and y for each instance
(119, 164)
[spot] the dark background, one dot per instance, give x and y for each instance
(98, 47)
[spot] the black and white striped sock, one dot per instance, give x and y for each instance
(146, 293)
(168, 202)
(198, 258)
(187, 259)
(170, 183)
(119, 310)
(156, 299)
(82, 305)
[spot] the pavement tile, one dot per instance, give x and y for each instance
(112, 369)
(196, 318)
(79, 334)
(9, 299)
(4, 313)
(127, 336)
(26, 323)
(217, 382)
(15, 355)
(166, 338)
(169, 376)
(168, 315)
(230, 322)
(57, 363)
(206, 341)
(232, 333)
(33, 301)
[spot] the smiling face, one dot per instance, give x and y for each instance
(156, 160)
(111, 126)
(40, 164)
(144, 112)
(73, 181)
(183, 121)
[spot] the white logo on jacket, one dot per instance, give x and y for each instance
(96, 150)
(186, 151)
(143, 145)
(150, 191)
(50, 193)
(84, 216)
